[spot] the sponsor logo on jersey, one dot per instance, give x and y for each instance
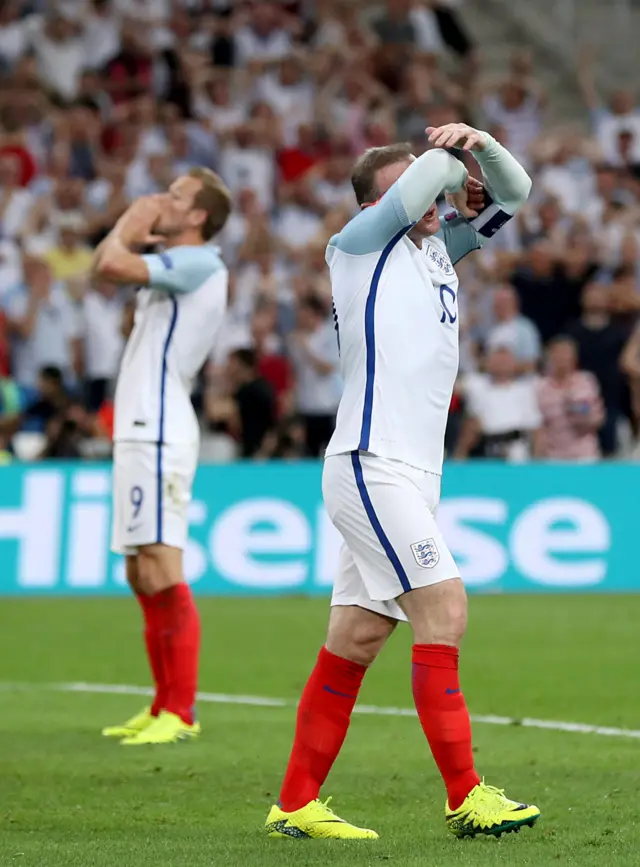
(426, 553)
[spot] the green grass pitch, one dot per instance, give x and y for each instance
(69, 798)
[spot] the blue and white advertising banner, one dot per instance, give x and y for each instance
(262, 529)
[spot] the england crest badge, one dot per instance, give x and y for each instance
(426, 553)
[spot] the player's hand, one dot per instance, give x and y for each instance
(456, 135)
(136, 224)
(468, 201)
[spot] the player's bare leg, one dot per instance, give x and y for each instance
(354, 639)
(172, 635)
(438, 616)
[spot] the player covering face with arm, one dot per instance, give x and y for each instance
(179, 309)
(395, 300)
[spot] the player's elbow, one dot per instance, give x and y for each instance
(108, 267)
(521, 190)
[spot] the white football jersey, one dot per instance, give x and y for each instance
(177, 319)
(396, 310)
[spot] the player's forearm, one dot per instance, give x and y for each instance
(508, 182)
(436, 171)
(116, 262)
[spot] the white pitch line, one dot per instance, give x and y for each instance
(371, 710)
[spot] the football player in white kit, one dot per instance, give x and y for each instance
(395, 307)
(179, 309)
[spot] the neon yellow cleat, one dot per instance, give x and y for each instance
(166, 728)
(137, 723)
(486, 810)
(316, 821)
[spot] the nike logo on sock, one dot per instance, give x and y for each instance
(335, 692)
(452, 691)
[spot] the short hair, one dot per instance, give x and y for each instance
(314, 304)
(372, 160)
(246, 357)
(214, 199)
(559, 339)
(52, 373)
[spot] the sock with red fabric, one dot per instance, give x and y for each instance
(154, 651)
(444, 717)
(323, 718)
(178, 629)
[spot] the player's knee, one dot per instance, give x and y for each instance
(359, 640)
(155, 571)
(452, 624)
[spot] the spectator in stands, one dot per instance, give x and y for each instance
(502, 416)
(571, 406)
(70, 258)
(102, 341)
(600, 343)
(15, 201)
(248, 412)
(43, 325)
(540, 278)
(621, 116)
(56, 41)
(314, 350)
(514, 331)
(48, 400)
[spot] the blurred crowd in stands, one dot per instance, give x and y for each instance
(102, 101)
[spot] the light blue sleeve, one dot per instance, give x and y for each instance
(373, 228)
(459, 236)
(182, 269)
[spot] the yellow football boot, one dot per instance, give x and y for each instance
(486, 810)
(166, 728)
(316, 821)
(131, 727)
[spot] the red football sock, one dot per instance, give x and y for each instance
(154, 651)
(178, 629)
(323, 718)
(444, 717)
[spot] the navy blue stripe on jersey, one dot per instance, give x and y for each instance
(370, 339)
(163, 383)
(377, 526)
(165, 258)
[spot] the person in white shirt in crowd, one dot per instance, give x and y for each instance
(264, 37)
(56, 39)
(10, 266)
(502, 415)
(102, 21)
(247, 160)
(314, 352)
(620, 116)
(15, 201)
(14, 40)
(43, 324)
(290, 94)
(102, 340)
(516, 104)
(513, 330)
(215, 103)
(333, 185)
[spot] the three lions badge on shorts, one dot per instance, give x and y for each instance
(426, 553)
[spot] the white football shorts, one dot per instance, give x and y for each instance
(151, 494)
(385, 511)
